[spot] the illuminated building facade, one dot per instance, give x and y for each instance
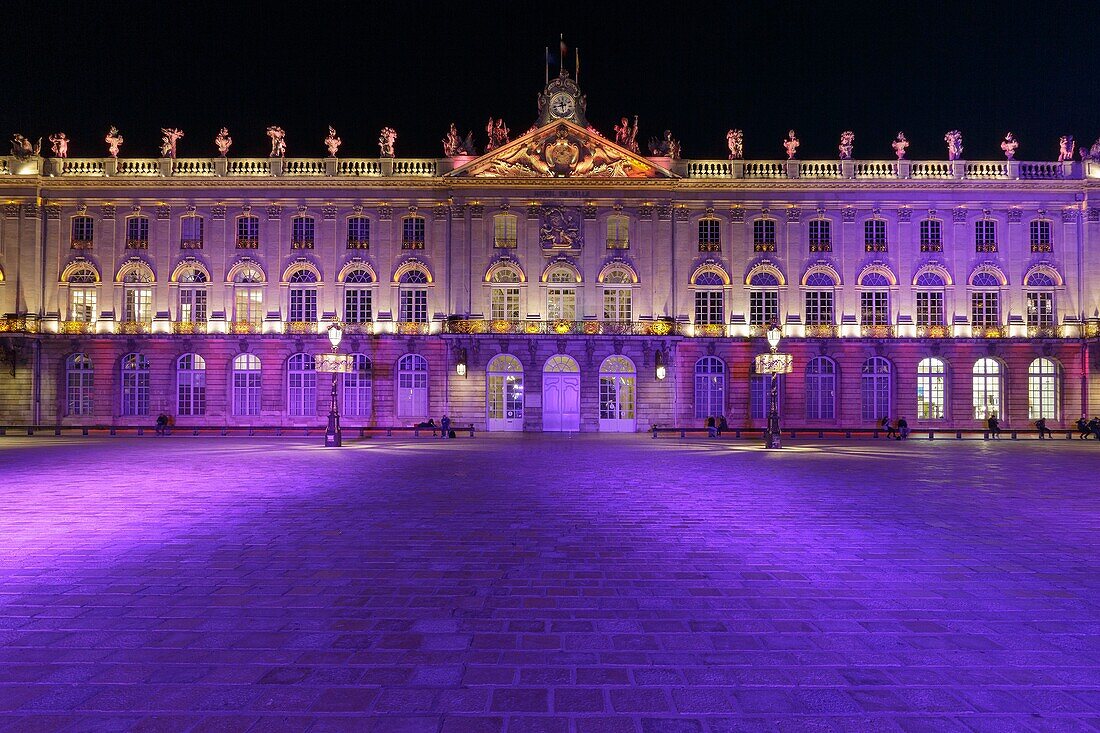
(561, 273)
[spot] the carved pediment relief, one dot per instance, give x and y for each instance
(561, 150)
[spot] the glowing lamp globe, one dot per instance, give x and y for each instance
(335, 333)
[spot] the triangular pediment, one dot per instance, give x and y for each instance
(561, 149)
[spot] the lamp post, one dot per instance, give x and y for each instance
(773, 363)
(333, 363)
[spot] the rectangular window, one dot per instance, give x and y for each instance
(357, 305)
(303, 305)
(561, 304)
(303, 231)
(413, 305)
(191, 232)
(1041, 240)
(248, 232)
(82, 304)
(763, 307)
(1040, 309)
(249, 305)
(83, 228)
(137, 232)
(505, 304)
(504, 231)
(874, 235)
(618, 232)
(246, 392)
(413, 233)
(192, 305)
(985, 236)
(708, 307)
(191, 392)
(617, 305)
(931, 236)
(763, 235)
(358, 232)
(984, 309)
(930, 308)
(821, 235)
(138, 307)
(760, 396)
(874, 308)
(710, 235)
(819, 307)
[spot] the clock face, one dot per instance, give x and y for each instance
(562, 105)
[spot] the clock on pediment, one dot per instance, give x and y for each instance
(562, 100)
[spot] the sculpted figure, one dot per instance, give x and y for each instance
(1092, 153)
(59, 145)
(22, 148)
(467, 146)
(1009, 145)
(791, 145)
(847, 138)
(386, 140)
(491, 132)
(665, 146)
(735, 140)
(169, 137)
(278, 141)
(114, 141)
(626, 134)
(954, 140)
(503, 133)
(1065, 148)
(223, 141)
(452, 144)
(498, 133)
(332, 142)
(899, 145)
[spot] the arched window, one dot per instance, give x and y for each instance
(874, 300)
(987, 389)
(985, 301)
(710, 388)
(931, 395)
(358, 385)
(617, 296)
(191, 227)
(763, 299)
(617, 394)
(358, 296)
(1040, 302)
(358, 232)
(820, 309)
(303, 232)
(413, 297)
(190, 385)
(618, 232)
(710, 235)
(248, 298)
(248, 232)
(760, 386)
(929, 292)
(412, 386)
(192, 295)
(876, 388)
(1043, 389)
(504, 231)
(137, 232)
(137, 306)
(82, 294)
(504, 393)
(246, 385)
(561, 294)
(821, 389)
(412, 232)
(709, 301)
(504, 295)
(301, 386)
(135, 385)
(79, 384)
(303, 296)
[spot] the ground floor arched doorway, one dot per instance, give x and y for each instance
(561, 395)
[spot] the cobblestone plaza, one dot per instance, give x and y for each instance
(548, 583)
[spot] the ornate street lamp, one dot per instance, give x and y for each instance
(333, 363)
(774, 363)
(659, 362)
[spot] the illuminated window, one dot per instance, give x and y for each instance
(358, 297)
(763, 235)
(931, 235)
(301, 383)
(763, 299)
(561, 295)
(192, 296)
(987, 388)
(708, 299)
(617, 301)
(819, 310)
(246, 385)
(618, 232)
(79, 385)
(710, 235)
(190, 385)
(83, 228)
(137, 232)
(931, 389)
(412, 232)
(248, 232)
(1041, 240)
(504, 231)
(874, 235)
(1043, 389)
(303, 296)
(821, 235)
(821, 388)
(504, 295)
(874, 300)
(412, 303)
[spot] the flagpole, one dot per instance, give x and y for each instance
(546, 63)
(577, 65)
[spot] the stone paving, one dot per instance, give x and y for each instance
(548, 584)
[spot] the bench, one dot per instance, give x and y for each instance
(871, 433)
(249, 431)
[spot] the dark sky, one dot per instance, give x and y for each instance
(695, 68)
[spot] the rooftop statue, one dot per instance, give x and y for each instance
(791, 145)
(1092, 153)
(665, 146)
(169, 137)
(899, 145)
(386, 140)
(114, 141)
(452, 143)
(467, 147)
(223, 141)
(498, 133)
(735, 140)
(332, 142)
(22, 148)
(1009, 145)
(847, 138)
(1065, 148)
(59, 145)
(626, 135)
(278, 141)
(954, 140)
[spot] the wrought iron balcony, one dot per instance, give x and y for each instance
(134, 327)
(820, 331)
(474, 326)
(988, 332)
(301, 244)
(710, 246)
(933, 331)
(18, 324)
(358, 244)
(618, 243)
(505, 242)
(76, 327)
(985, 247)
(364, 328)
(244, 327)
(248, 242)
(875, 247)
(412, 244)
(189, 327)
(190, 244)
(137, 244)
(1045, 332)
(81, 243)
(821, 246)
(934, 246)
(876, 331)
(763, 247)
(301, 327)
(1042, 247)
(412, 328)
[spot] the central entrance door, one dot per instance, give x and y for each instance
(561, 395)
(504, 393)
(617, 392)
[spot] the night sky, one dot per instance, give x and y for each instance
(697, 69)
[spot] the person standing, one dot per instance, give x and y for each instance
(444, 427)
